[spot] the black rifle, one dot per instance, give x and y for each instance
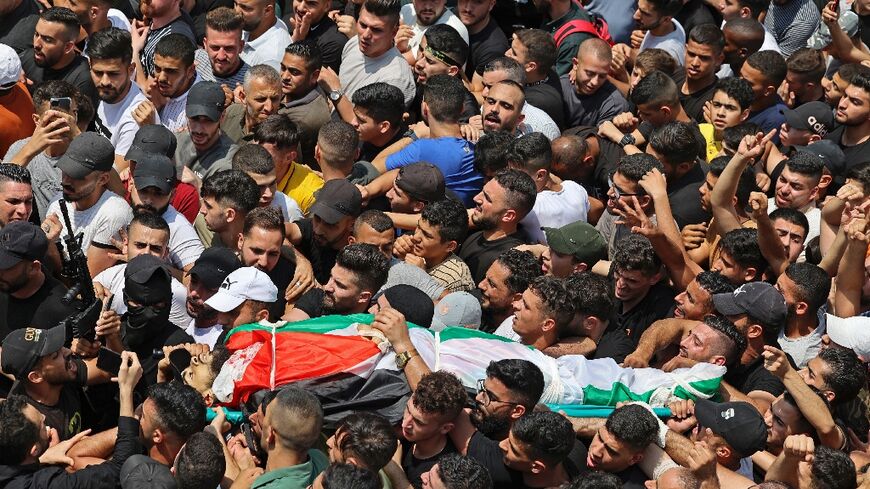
(75, 269)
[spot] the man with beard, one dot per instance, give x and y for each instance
(260, 247)
(502, 107)
(655, 18)
(147, 234)
(302, 102)
(504, 283)
(48, 377)
(417, 17)
(312, 25)
(338, 203)
(442, 52)
(55, 128)
(110, 56)
(244, 297)
(511, 390)
(360, 270)
(160, 18)
(145, 326)
(486, 39)
(154, 186)
(16, 194)
(220, 61)
(54, 55)
(265, 35)
(260, 97)
(501, 205)
(227, 197)
(853, 115)
(205, 278)
(204, 149)
(799, 186)
(28, 295)
(174, 75)
(94, 210)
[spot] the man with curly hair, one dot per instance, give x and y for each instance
(429, 417)
(543, 313)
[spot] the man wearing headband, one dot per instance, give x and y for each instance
(420, 17)
(442, 52)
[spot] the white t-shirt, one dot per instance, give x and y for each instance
(506, 330)
(556, 209)
(409, 17)
(98, 223)
(184, 244)
(112, 279)
(802, 349)
(173, 115)
(208, 335)
(268, 48)
(674, 42)
(289, 208)
(116, 123)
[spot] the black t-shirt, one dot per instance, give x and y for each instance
(859, 153)
(614, 344)
(42, 310)
(654, 306)
(489, 454)
(281, 276)
(330, 41)
(77, 73)
(166, 335)
(415, 467)
(685, 199)
(864, 26)
(486, 45)
(368, 151)
(694, 13)
(609, 154)
(547, 96)
(478, 253)
(16, 27)
(693, 103)
(322, 259)
(311, 302)
(66, 416)
(754, 377)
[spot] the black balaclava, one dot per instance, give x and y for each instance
(148, 283)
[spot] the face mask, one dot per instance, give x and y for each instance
(135, 329)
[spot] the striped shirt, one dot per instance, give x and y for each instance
(792, 24)
(204, 70)
(453, 274)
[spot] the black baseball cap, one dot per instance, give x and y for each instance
(213, 266)
(206, 98)
(22, 348)
(21, 240)
(816, 117)
(739, 423)
(143, 472)
(758, 299)
(87, 153)
(336, 200)
(421, 181)
(154, 170)
(153, 138)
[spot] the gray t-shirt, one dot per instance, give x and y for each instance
(44, 176)
(802, 349)
(591, 110)
(358, 70)
(217, 158)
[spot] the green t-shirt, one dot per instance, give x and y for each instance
(295, 477)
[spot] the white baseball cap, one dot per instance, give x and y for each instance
(852, 333)
(246, 283)
(10, 66)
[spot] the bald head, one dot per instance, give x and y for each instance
(595, 47)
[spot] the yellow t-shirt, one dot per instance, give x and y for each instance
(713, 146)
(299, 184)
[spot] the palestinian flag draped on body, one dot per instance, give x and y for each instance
(350, 372)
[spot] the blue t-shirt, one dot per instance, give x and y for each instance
(770, 118)
(453, 156)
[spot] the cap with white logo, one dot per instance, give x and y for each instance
(246, 283)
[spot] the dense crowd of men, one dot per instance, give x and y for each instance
(655, 183)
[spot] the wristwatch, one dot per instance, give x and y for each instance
(336, 94)
(403, 358)
(626, 140)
